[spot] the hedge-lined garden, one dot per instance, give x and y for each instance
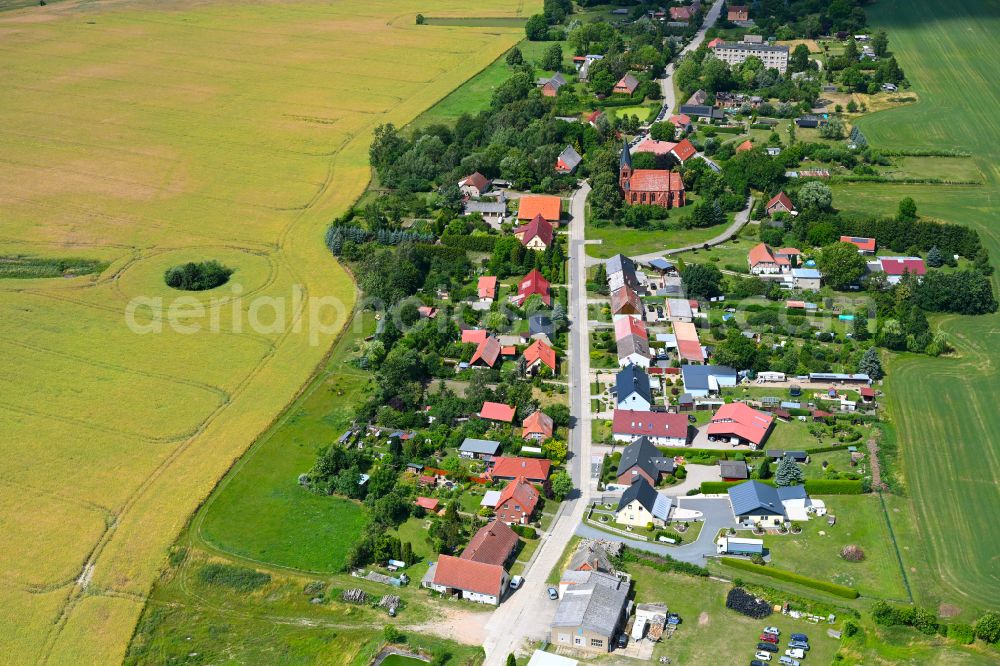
(788, 576)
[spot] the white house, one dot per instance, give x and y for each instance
(641, 505)
(632, 389)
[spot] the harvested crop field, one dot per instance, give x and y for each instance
(141, 136)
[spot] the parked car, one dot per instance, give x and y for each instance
(515, 582)
(788, 661)
(800, 637)
(796, 653)
(763, 656)
(799, 644)
(622, 641)
(768, 647)
(770, 638)
(553, 593)
(673, 618)
(772, 630)
(756, 662)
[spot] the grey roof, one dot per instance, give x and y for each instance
(750, 46)
(570, 157)
(696, 376)
(661, 264)
(495, 207)
(791, 492)
(633, 344)
(626, 158)
(622, 264)
(633, 379)
(652, 501)
(838, 376)
(733, 469)
(540, 323)
(641, 453)
(702, 111)
(755, 498)
(596, 605)
(593, 554)
(482, 446)
(806, 273)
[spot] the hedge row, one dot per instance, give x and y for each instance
(708, 453)
(474, 243)
(663, 563)
(719, 487)
(813, 486)
(790, 577)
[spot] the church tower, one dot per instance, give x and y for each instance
(625, 168)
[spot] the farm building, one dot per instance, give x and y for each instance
(468, 579)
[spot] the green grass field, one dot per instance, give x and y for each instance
(943, 408)
(615, 239)
(143, 135)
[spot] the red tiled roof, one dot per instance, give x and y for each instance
(492, 544)
(684, 150)
(477, 180)
(497, 411)
(680, 119)
(866, 244)
(539, 228)
(867, 392)
(539, 351)
(653, 146)
(655, 180)
(761, 254)
(627, 83)
(488, 351)
(715, 42)
(538, 423)
(626, 326)
(625, 301)
(488, 286)
(690, 350)
(594, 115)
(789, 251)
(652, 424)
(427, 479)
(427, 311)
(781, 198)
(522, 492)
(508, 350)
(742, 420)
(906, 265)
(681, 13)
(474, 335)
(746, 145)
(532, 469)
(796, 305)
(549, 207)
(428, 503)
(454, 572)
(685, 330)
(534, 283)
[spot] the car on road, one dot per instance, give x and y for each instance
(772, 630)
(515, 582)
(553, 593)
(799, 644)
(796, 653)
(768, 647)
(799, 637)
(763, 656)
(788, 661)
(770, 638)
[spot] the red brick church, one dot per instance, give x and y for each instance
(657, 187)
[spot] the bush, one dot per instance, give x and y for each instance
(851, 628)
(241, 579)
(852, 553)
(961, 633)
(834, 487)
(393, 635)
(988, 627)
(743, 602)
(526, 531)
(788, 576)
(473, 243)
(908, 616)
(197, 277)
(664, 563)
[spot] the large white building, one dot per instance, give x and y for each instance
(773, 57)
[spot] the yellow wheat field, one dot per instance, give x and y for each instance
(147, 134)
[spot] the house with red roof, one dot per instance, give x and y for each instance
(497, 411)
(494, 543)
(864, 245)
(763, 261)
(475, 185)
(745, 146)
(740, 423)
(593, 117)
(470, 580)
(487, 353)
(682, 14)
(779, 203)
(867, 394)
(788, 254)
(474, 336)
(548, 206)
(538, 354)
(627, 85)
(625, 302)
(428, 503)
(626, 326)
(487, 287)
(533, 283)
(427, 312)
(535, 470)
(568, 160)
(536, 234)
(715, 42)
(662, 428)
(655, 187)
(517, 502)
(737, 13)
(538, 426)
(681, 121)
(654, 146)
(684, 150)
(896, 267)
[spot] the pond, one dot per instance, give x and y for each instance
(400, 660)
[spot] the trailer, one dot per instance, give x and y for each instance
(737, 546)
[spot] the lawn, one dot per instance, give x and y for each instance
(954, 500)
(731, 253)
(860, 521)
(618, 239)
(259, 511)
(148, 135)
(710, 633)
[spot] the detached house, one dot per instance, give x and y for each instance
(550, 86)
(468, 579)
(763, 261)
(548, 206)
(741, 424)
(487, 288)
(568, 160)
(779, 203)
(632, 389)
(517, 502)
(536, 235)
(539, 354)
(627, 85)
(487, 353)
(590, 613)
(643, 461)
(497, 411)
(641, 505)
(864, 245)
(494, 543)
(475, 185)
(533, 283)
(535, 470)
(538, 426)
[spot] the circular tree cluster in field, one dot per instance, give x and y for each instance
(197, 277)
(852, 553)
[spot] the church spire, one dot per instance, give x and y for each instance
(626, 161)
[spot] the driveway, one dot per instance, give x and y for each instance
(717, 514)
(695, 475)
